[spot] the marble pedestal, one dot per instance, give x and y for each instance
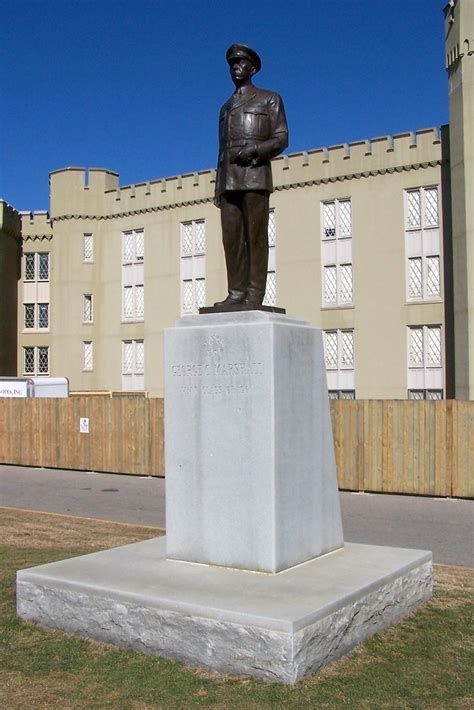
(250, 469)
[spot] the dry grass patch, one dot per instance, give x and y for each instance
(26, 529)
(425, 661)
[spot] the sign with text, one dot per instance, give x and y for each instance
(84, 425)
(13, 389)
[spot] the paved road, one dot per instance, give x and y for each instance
(443, 525)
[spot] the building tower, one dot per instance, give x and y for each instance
(459, 33)
(10, 260)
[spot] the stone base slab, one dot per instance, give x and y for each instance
(273, 626)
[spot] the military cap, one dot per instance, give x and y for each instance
(241, 50)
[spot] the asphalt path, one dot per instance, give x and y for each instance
(443, 525)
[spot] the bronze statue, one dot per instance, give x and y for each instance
(252, 131)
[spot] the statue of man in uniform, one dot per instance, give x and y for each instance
(252, 131)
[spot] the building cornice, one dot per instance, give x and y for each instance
(37, 237)
(278, 188)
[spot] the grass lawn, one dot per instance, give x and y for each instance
(426, 661)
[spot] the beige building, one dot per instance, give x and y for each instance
(10, 255)
(372, 241)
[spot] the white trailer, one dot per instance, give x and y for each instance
(34, 387)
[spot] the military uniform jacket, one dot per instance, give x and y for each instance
(255, 118)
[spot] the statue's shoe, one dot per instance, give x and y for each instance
(231, 300)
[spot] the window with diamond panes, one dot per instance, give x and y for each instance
(434, 394)
(29, 315)
(43, 267)
(36, 360)
(339, 349)
(270, 296)
(423, 244)
(431, 212)
(414, 209)
(43, 360)
(134, 302)
(36, 266)
(425, 367)
(432, 276)
(336, 253)
(87, 356)
(88, 248)
(139, 301)
(341, 394)
(270, 291)
(347, 348)
(128, 359)
(128, 302)
(433, 339)
(331, 350)
(200, 292)
(187, 296)
(29, 361)
(339, 360)
(329, 220)
(43, 315)
(133, 275)
(330, 284)
(140, 356)
(36, 316)
(425, 394)
(87, 308)
(30, 264)
(193, 275)
(133, 365)
(337, 219)
(133, 357)
(425, 346)
(271, 229)
(415, 281)
(416, 347)
(345, 288)
(133, 246)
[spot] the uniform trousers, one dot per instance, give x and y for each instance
(244, 220)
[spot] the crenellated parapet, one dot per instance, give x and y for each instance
(10, 220)
(77, 193)
(95, 194)
(36, 225)
(359, 159)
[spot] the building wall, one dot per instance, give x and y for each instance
(37, 235)
(459, 32)
(10, 253)
(373, 174)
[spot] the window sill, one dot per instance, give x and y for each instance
(348, 307)
(124, 321)
(35, 331)
(423, 301)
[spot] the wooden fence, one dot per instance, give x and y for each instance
(424, 448)
(125, 434)
(397, 446)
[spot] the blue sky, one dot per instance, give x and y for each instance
(136, 85)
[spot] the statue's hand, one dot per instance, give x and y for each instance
(247, 155)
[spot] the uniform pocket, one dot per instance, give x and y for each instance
(256, 124)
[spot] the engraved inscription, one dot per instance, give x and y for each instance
(217, 376)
